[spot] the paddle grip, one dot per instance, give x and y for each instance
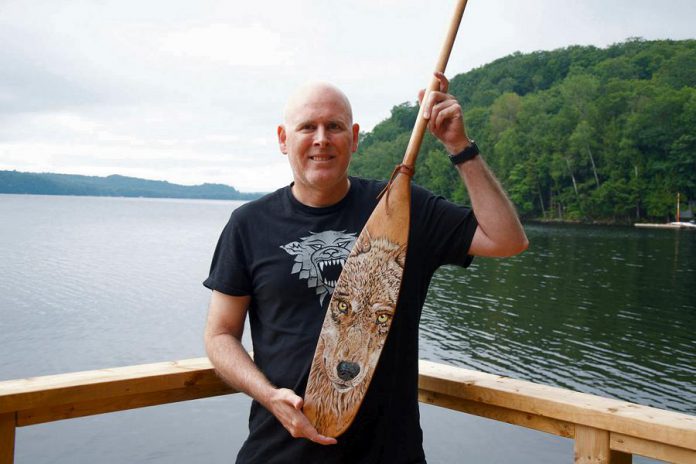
(421, 124)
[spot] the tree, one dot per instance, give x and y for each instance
(578, 133)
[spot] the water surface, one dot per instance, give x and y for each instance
(88, 283)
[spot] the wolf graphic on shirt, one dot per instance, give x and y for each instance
(319, 258)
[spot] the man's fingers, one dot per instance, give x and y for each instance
(297, 402)
(444, 83)
(316, 437)
(302, 428)
(288, 410)
(449, 110)
(433, 98)
(322, 440)
(441, 111)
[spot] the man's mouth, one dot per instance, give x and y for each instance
(321, 157)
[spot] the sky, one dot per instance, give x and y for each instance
(192, 91)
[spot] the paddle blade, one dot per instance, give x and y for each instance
(360, 314)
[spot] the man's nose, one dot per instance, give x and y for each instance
(320, 136)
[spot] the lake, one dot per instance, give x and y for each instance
(89, 283)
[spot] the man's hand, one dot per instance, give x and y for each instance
(286, 406)
(445, 116)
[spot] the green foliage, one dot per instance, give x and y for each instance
(578, 133)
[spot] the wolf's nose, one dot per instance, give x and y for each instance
(347, 370)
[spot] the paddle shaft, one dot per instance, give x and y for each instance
(421, 125)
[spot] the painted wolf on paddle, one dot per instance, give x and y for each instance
(352, 337)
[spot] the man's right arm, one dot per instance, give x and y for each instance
(223, 335)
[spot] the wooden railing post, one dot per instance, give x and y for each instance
(7, 437)
(591, 445)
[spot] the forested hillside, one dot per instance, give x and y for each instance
(112, 186)
(579, 133)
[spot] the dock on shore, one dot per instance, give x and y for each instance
(669, 225)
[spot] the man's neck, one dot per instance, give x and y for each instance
(321, 198)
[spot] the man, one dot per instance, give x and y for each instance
(277, 261)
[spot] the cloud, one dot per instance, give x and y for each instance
(228, 45)
(192, 92)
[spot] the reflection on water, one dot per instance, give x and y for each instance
(609, 311)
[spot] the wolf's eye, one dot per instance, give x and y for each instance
(342, 306)
(382, 318)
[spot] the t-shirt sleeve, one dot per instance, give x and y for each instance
(229, 273)
(446, 229)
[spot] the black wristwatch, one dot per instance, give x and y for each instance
(468, 153)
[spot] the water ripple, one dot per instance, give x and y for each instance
(595, 312)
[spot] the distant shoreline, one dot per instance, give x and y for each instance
(27, 183)
(121, 197)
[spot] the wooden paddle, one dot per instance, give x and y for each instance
(363, 303)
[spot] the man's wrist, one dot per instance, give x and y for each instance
(458, 147)
(469, 151)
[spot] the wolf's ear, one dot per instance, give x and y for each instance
(294, 248)
(364, 243)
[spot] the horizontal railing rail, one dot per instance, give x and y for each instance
(605, 430)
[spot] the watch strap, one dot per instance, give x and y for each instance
(470, 152)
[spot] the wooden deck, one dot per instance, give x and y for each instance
(605, 430)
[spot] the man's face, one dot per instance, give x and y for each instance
(319, 138)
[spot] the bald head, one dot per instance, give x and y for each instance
(315, 94)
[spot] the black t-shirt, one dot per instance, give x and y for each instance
(287, 256)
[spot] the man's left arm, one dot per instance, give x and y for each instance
(499, 232)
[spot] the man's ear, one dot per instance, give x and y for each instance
(356, 135)
(282, 137)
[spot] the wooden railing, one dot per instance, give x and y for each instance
(604, 430)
